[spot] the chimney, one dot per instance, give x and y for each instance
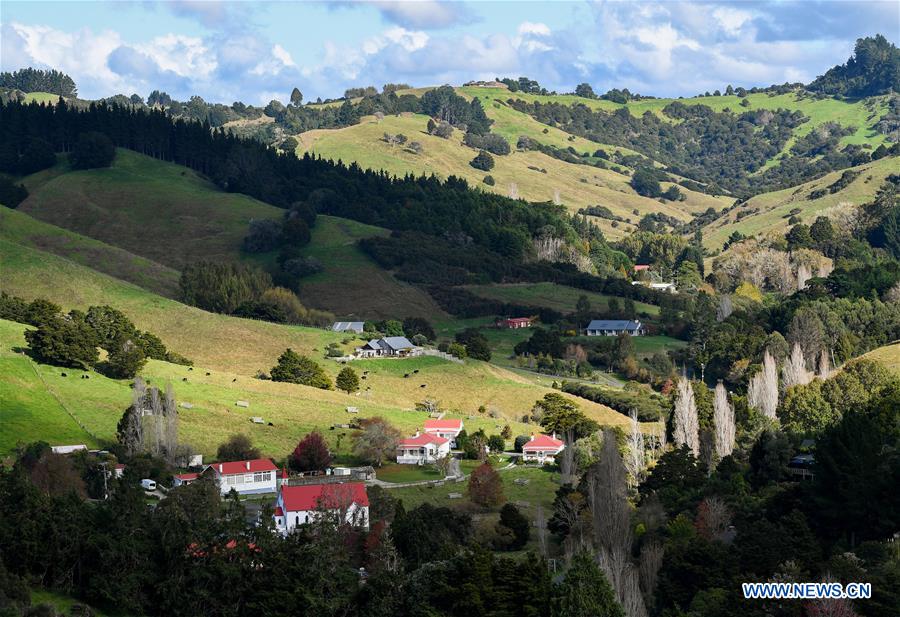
(532, 437)
(416, 435)
(248, 465)
(220, 467)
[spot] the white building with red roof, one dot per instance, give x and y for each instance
(245, 477)
(422, 448)
(182, 479)
(542, 449)
(303, 504)
(448, 429)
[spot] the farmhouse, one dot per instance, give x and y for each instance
(613, 327)
(514, 322)
(348, 326)
(299, 505)
(245, 477)
(183, 479)
(542, 449)
(396, 346)
(447, 429)
(641, 267)
(422, 448)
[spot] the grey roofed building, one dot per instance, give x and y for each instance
(388, 346)
(348, 326)
(612, 327)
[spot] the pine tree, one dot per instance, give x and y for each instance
(585, 592)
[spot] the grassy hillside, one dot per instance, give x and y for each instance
(862, 115)
(576, 186)
(889, 355)
(775, 207)
(169, 215)
(40, 403)
(244, 346)
(162, 211)
(351, 284)
(22, 229)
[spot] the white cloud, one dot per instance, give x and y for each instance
(731, 20)
(539, 29)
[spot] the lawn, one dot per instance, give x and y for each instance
(551, 295)
(395, 472)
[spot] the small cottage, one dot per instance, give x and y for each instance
(542, 449)
(422, 449)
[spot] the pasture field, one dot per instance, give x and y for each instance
(536, 176)
(551, 295)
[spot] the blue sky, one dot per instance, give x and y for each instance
(257, 51)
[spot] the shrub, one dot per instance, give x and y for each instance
(482, 161)
(489, 180)
(294, 368)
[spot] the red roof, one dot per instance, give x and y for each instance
(543, 442)
(313, 496)
(186, 477)
(422, 440)
(120, 466)
(640, 267)
(437, 425)
(279, 511)
(519, 320)
(236, 467)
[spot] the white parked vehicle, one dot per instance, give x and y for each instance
(148, 485)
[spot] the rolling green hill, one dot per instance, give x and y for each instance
(241, 347)
(171, 216)
(769, 212)
(576, 186)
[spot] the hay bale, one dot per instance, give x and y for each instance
(244, 404)
(186, 405)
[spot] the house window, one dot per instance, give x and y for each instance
(262, 476)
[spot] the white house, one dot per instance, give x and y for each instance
(448, 429)
(613, 327)
(246, 477)
(669, 287)
(299, 505)
(542, 449)
(348, 326)
(422, 448)
(67, 449)
(397, 346)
